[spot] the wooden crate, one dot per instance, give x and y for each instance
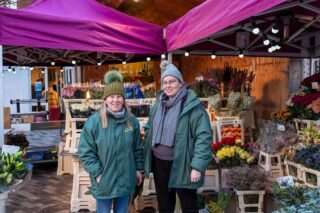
(299, 124)
(65, 165)
(148, 186)
(142, 202)
(75, 142)
(243, 205)
(229, 123)
(291, 167)
(211, 181)
(311, 172)
(271, 163)
(79, 199)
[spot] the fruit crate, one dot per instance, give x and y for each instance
(311, 177)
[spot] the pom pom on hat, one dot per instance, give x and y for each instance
(113, 84)
(112, 76)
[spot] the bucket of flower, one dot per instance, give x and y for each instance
(230, 153)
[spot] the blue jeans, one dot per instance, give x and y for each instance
(120, 205)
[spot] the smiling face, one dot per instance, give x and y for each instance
(115, 102)
(170, 86)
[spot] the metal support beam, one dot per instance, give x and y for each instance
(1, 100)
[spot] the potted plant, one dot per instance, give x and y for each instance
(79, 110)
(250, 184)
(12, 171)
(293, 198)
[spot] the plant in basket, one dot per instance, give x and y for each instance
(96, 92)
(12, 170)
(80, 110)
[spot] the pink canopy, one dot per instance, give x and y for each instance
(211, 17)
(78, 25)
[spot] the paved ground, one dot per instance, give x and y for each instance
(47, 192)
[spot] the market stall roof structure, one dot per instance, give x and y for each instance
(84, 25)
(292, 27)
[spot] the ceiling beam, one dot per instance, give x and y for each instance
(223, 44)
(298, 32)
(311, 8)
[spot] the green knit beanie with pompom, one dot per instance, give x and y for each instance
(113, 84)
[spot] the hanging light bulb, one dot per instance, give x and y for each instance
(23, 67)
(275, 28)
(186, 54)
(270, 50)
(163, 56)
(124, 62)
(53, 63)
(9, 69)
(14, 71)
(99, 62)
(73, 61)
(278, 47)
(148, 59)
(241, 55)
(266, 41)
(31, 68)
(61, 70)
(213, 55)
(255, 28)
(42, 71)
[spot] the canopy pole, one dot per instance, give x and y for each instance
(1, 99)
(170, 57)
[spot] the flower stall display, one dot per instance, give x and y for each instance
(220, 204)
(250, 184)
(96, 92)
(205, 88)
(310, 135)
(80, 110)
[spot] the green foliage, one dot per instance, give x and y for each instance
(298, 199)
(221, 203)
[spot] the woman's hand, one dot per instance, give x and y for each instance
(195, 176)
(139, 177)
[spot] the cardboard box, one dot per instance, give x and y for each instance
(6, 118)
(27, 118)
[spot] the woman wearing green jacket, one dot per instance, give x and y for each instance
(178, 143)
(110, 149)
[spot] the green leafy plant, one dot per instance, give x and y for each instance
(299, 199)
(12, 168)
(221, 203)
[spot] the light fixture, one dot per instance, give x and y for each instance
(213, 55)
(241, 55)
(73, 61)
(42, 71)
(53, 63)
(270, 50)
(266, 41)
(278, 47)
(186, 54)
(124, 62)
(99, 62)
(163, 56)
(14, 71)
(255, 28)
(275, 28)
(23, 67)
(9, 69)
(148, 59)
(61, 70)
(273, 48)
(31, 68)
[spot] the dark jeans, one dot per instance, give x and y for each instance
(167, 197)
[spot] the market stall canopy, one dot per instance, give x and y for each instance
(224, 27)
(78, 25)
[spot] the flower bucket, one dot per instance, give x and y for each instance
(3, 197)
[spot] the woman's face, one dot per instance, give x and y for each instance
(170, 86)
(115, 102)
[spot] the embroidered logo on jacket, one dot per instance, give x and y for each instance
(128, 129)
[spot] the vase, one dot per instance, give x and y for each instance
(3, 197)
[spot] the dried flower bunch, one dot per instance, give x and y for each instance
(205, 88)
(281, 116)
(215, 102)
(273, 141)
(247, 178)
